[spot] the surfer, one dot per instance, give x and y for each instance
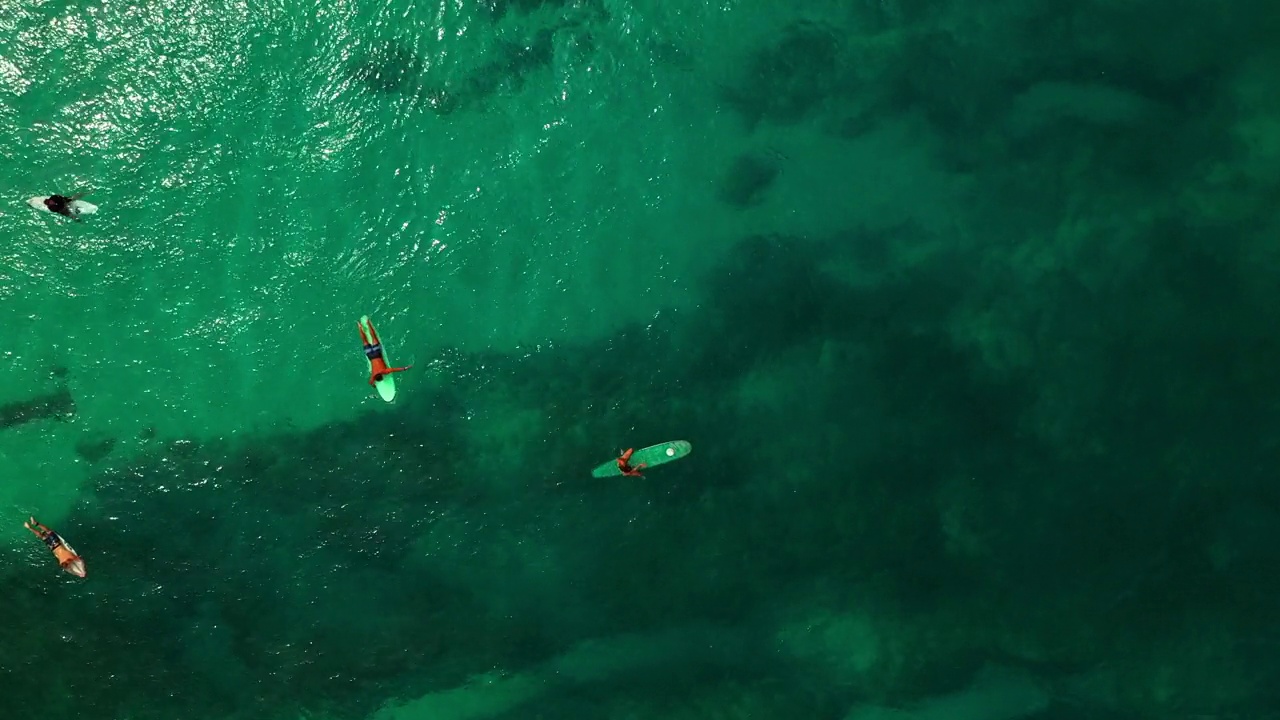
(624, 464)
(373, 350)
(62, 205)
(645, 457)
(67, 557)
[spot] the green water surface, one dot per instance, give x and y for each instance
(970, 313)
(259, 191)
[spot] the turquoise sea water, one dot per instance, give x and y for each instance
(969, 314)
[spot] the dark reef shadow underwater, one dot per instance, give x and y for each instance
(329, 570)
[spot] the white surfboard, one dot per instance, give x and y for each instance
(80, 206)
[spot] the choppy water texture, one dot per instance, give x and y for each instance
(969, 312)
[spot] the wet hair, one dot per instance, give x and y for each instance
(378, 377)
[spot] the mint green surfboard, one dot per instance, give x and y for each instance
(651, 456)
(386, 387)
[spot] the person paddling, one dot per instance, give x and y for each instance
(373, 350)
(62, 205)
(66, 556)
(624, 464)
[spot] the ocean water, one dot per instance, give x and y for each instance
(970, 314)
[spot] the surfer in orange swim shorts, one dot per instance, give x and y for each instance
(373, 351)
(624, 464)
(66, 556)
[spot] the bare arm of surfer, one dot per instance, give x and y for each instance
(385, 371)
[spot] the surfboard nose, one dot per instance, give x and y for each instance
(77, 568)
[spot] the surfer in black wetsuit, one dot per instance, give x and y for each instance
(62, 205)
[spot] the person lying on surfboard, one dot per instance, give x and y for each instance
(67, 557)
(624, 464)
(373, 350)
(62, 205)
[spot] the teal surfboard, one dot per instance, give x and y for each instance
(651, 456)
(386, 387)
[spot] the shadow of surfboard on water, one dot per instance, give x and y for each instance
(58, 405)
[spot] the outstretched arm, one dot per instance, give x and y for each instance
(399, 369)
